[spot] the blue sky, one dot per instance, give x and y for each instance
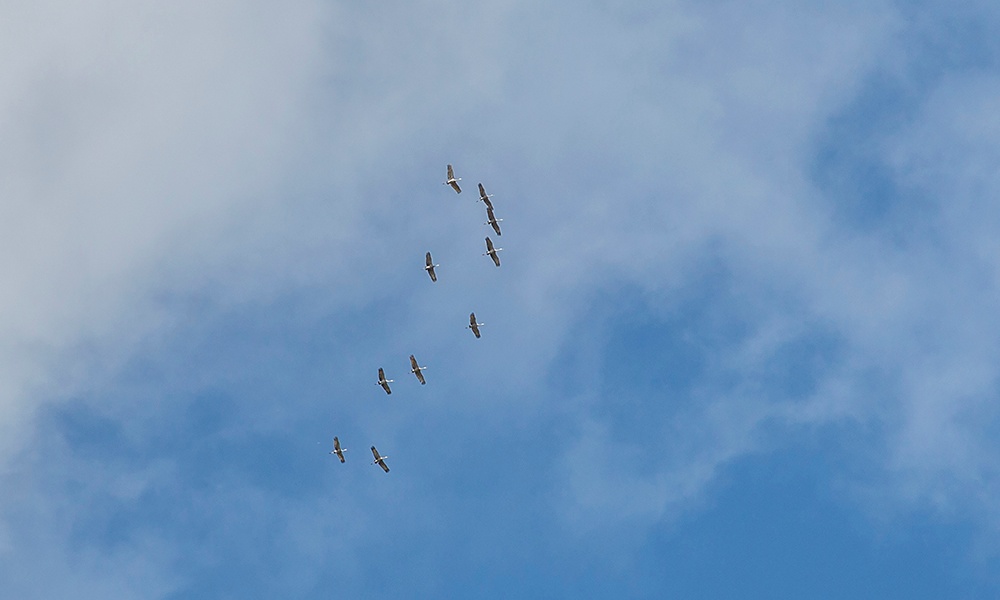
(743, 343)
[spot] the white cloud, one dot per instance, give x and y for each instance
(915, 318)
(131, 133)
(140, 144)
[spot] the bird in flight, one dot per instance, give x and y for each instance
(492, 252)
(337, 449)
(382, 381)
(485, 197)
(379, 460)
(473, 325)
(430, 267)
(495, 222)
(416, 370)
(452, 181)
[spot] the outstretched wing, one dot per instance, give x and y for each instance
(493, 220)
(416, 370)
(430, 267)
(382, 381)
(451, 180)
(489, 245)
(378, 459)
(484, 196)
(496, 258)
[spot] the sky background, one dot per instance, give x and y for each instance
(744, 342)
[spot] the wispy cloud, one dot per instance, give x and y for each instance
(216, 217)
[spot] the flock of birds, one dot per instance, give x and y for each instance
(415, 367)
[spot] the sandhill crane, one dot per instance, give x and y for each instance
(430, 267)
(382, 381)
(380, 460)
(492, 252)
(337, 449)
(485, 197)
(416, 370)
(495, 222)
(473, 325)
(452, 181)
